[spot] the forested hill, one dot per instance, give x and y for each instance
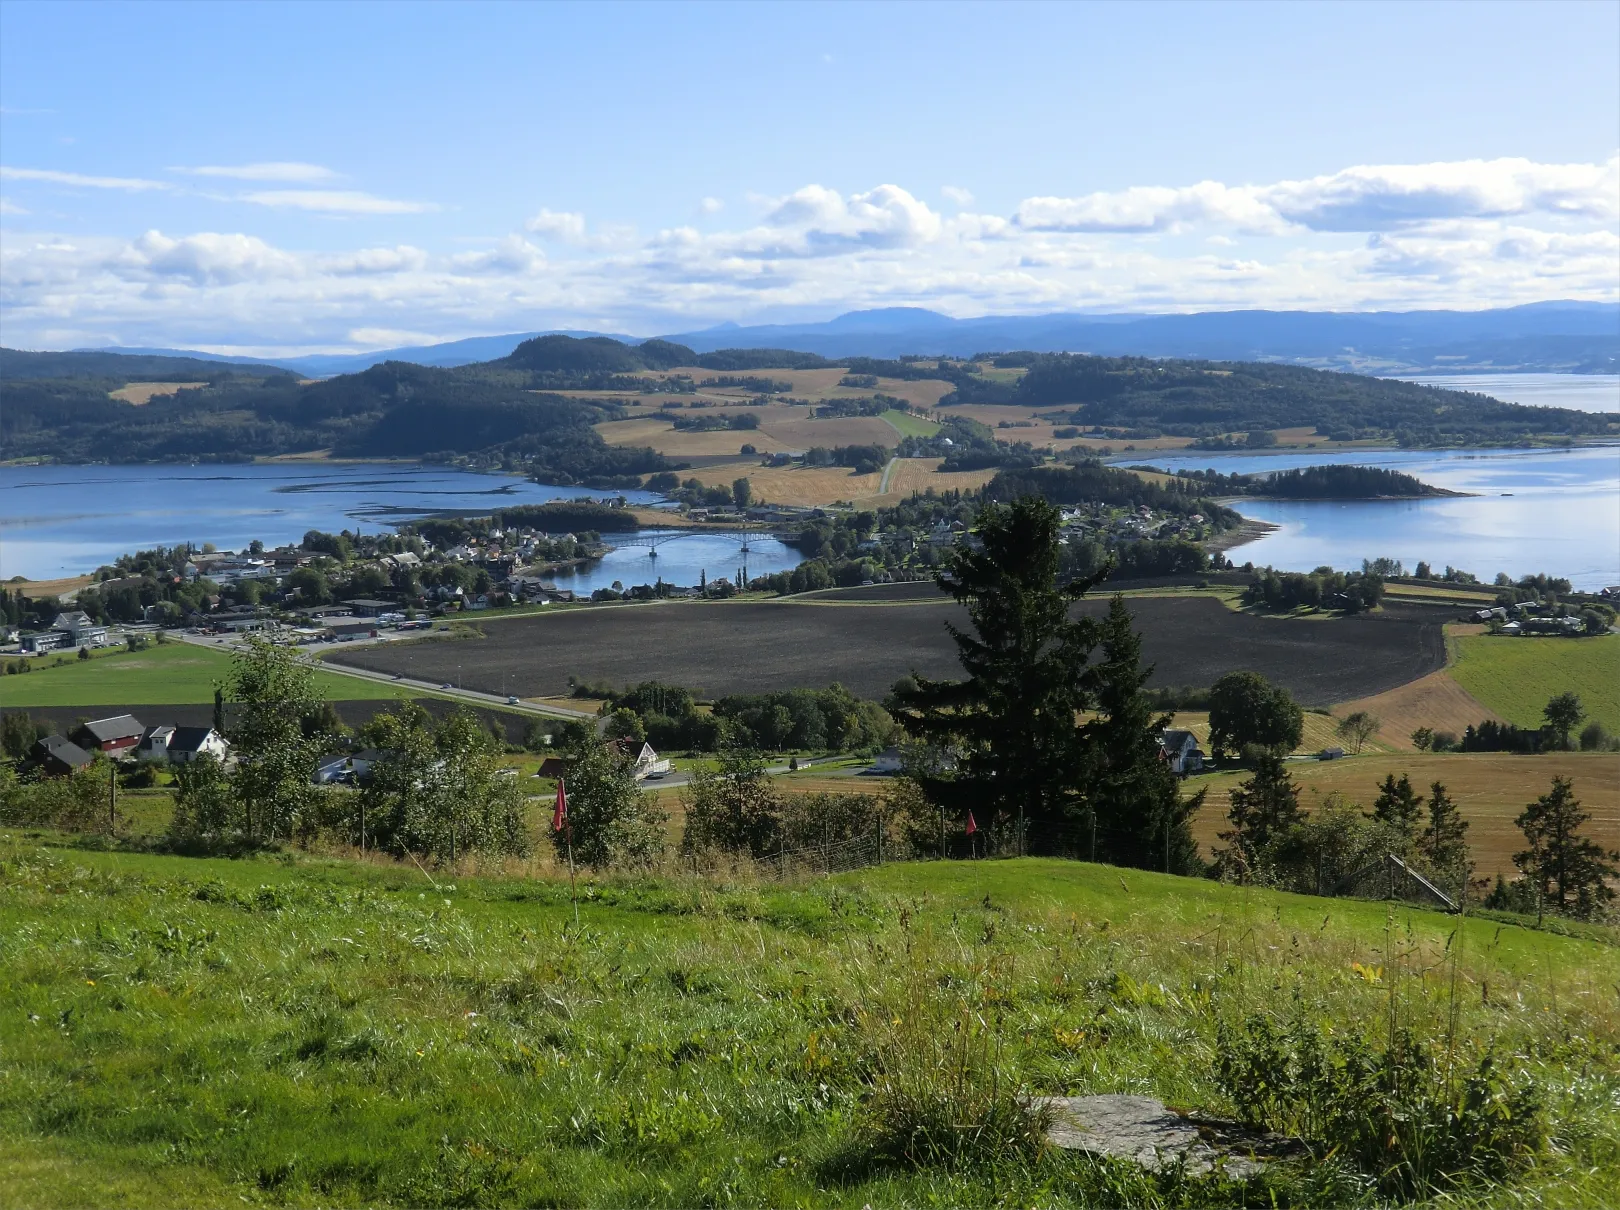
(517, 411)
(124, 367)
(1206, 399)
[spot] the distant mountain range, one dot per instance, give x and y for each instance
(1550, 336)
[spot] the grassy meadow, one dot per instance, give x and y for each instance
(168, 674)
(1516, 677)
(298, 1031)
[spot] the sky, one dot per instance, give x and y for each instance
(315, 177)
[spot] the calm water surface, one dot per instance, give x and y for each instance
(67, 520)
(1556, 511)
(1583, 392)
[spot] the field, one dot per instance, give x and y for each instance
(1515, 677)
(164, 675)
(144, 392)
(1319, 730)
(303, 1032)
(808, 486)
(1435, 701)
(1491, 788)
(755, 646)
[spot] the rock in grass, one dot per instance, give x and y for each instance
(1142, 1130)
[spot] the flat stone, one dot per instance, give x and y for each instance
(1142, 1130)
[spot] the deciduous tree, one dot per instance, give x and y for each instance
(1246, 709)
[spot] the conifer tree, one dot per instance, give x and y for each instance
(1398, 804)
(1570, 872)
(1012, 723)
(1443, 842)
(1140, 818)
(1265, 816)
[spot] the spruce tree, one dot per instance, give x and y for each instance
(1140, 817)
(1398, 804)
(1443, 843)
(1019, 758)
(1264, 813)
(1570, 872)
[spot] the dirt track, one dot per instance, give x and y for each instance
(748, 647)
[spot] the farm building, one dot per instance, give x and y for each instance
(154, 745)
(189, 743)
(645, 762)
(57, 756)
(1181, 749)
(116, 736)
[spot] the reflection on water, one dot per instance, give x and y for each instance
(683, 561)
(1556, 511)
(67, 520)
(1583, 392)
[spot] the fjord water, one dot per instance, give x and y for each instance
(67, 520)
(1582, 392)
(1528, 511)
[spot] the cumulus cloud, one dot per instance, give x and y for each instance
(1358, 199)
(955, 193)
(334, 201)
(52, 177)
(278, 170)
(711, 205)
(565, 226)
(1468, 234)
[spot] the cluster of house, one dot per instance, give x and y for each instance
(123, 737)
(1126, 524)
(1522, 619)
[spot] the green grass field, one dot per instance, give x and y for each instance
(1517, 676)
(292, 1031)
(172, 674)
(908, 425)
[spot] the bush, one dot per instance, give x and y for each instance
(1401, 1114)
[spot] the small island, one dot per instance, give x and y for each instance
(1328, 482)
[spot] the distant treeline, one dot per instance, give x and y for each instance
(1094, 483)
(1331, 482)
(1207, 399)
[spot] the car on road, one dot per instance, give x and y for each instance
(513, 700)
(399, 676)
(447, 685)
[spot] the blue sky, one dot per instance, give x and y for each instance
(328, 177)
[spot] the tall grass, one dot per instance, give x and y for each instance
(298, 1030)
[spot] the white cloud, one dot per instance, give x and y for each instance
(278, 170)
(565, 226)
(371, 339)
(1359, 199)
(955, 193)
(334, 201)
(1469, 235)
(7, 206)
(711, 205)
(50, 176)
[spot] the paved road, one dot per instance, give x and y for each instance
(681, 779)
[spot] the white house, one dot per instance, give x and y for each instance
(189, 743)
(645, 761)
(154, 745)
(1181, 749)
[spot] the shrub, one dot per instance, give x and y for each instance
(1402, 1114)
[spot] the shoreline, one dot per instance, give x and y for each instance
(1252, 530)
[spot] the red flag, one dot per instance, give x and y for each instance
(972, 827)
(560, 815)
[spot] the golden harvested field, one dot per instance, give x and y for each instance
(1434, 701)
(806, 486)
(38, 589)
(920, 474)
(1319, 730)
(144, 392)
(781, 429)
(814, 384)
(1491, 789)
(677, 444)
